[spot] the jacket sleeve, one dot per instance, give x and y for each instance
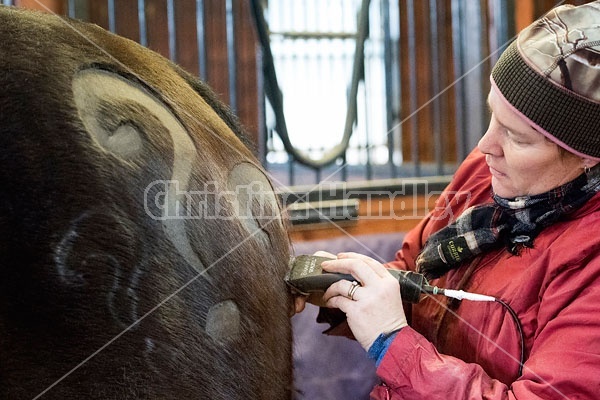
(413, 369)
(564, 361)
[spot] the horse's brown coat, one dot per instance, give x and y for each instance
(132, 265)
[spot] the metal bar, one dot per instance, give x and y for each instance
(389, 90)
(303, 212)
(231, 56)
(435, 86)
(475, 81)
(142, 22)
(200, 36)
(356, 189)
(508, 14)
(443, 76)
(316, 63)
(70, 7)
(313, 35)
(305, 15)
(291, 169)
(398, 88)
(262, 111)
(112, 25)
(365, 122)
(172, 29)
(412, 67)
(368, 147)
(504, 25)
(457, 58)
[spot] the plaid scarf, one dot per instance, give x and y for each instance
(513, 223)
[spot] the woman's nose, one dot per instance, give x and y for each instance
(489, 144)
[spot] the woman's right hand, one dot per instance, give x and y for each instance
(373, 305)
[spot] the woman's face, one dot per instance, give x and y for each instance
(521, 160)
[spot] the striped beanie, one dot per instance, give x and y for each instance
(550, 75)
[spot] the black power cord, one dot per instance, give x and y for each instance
(515, 318)
(462, 295)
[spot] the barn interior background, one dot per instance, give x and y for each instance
(347, 101)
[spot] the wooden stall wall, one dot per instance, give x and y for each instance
(247, 82)
(247, 89)
(419, 96)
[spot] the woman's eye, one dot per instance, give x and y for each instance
(515, 138)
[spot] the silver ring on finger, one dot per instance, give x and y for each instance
(355, 285)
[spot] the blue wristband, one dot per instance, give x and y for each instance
(381, 345)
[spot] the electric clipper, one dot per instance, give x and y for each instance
(306, 276)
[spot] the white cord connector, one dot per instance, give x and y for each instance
(462, 295)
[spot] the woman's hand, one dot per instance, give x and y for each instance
(373, 308)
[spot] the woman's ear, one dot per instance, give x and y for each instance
(588, 163)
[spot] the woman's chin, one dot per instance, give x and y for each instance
(502, 190)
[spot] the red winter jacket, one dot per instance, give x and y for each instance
(470, 350)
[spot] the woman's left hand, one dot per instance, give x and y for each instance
(371, 309)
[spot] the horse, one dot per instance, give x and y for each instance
(142, 246)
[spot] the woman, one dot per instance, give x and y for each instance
(525, 212)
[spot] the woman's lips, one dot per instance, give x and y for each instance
(495, 172)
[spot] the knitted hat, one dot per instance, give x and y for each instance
(550, 76)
